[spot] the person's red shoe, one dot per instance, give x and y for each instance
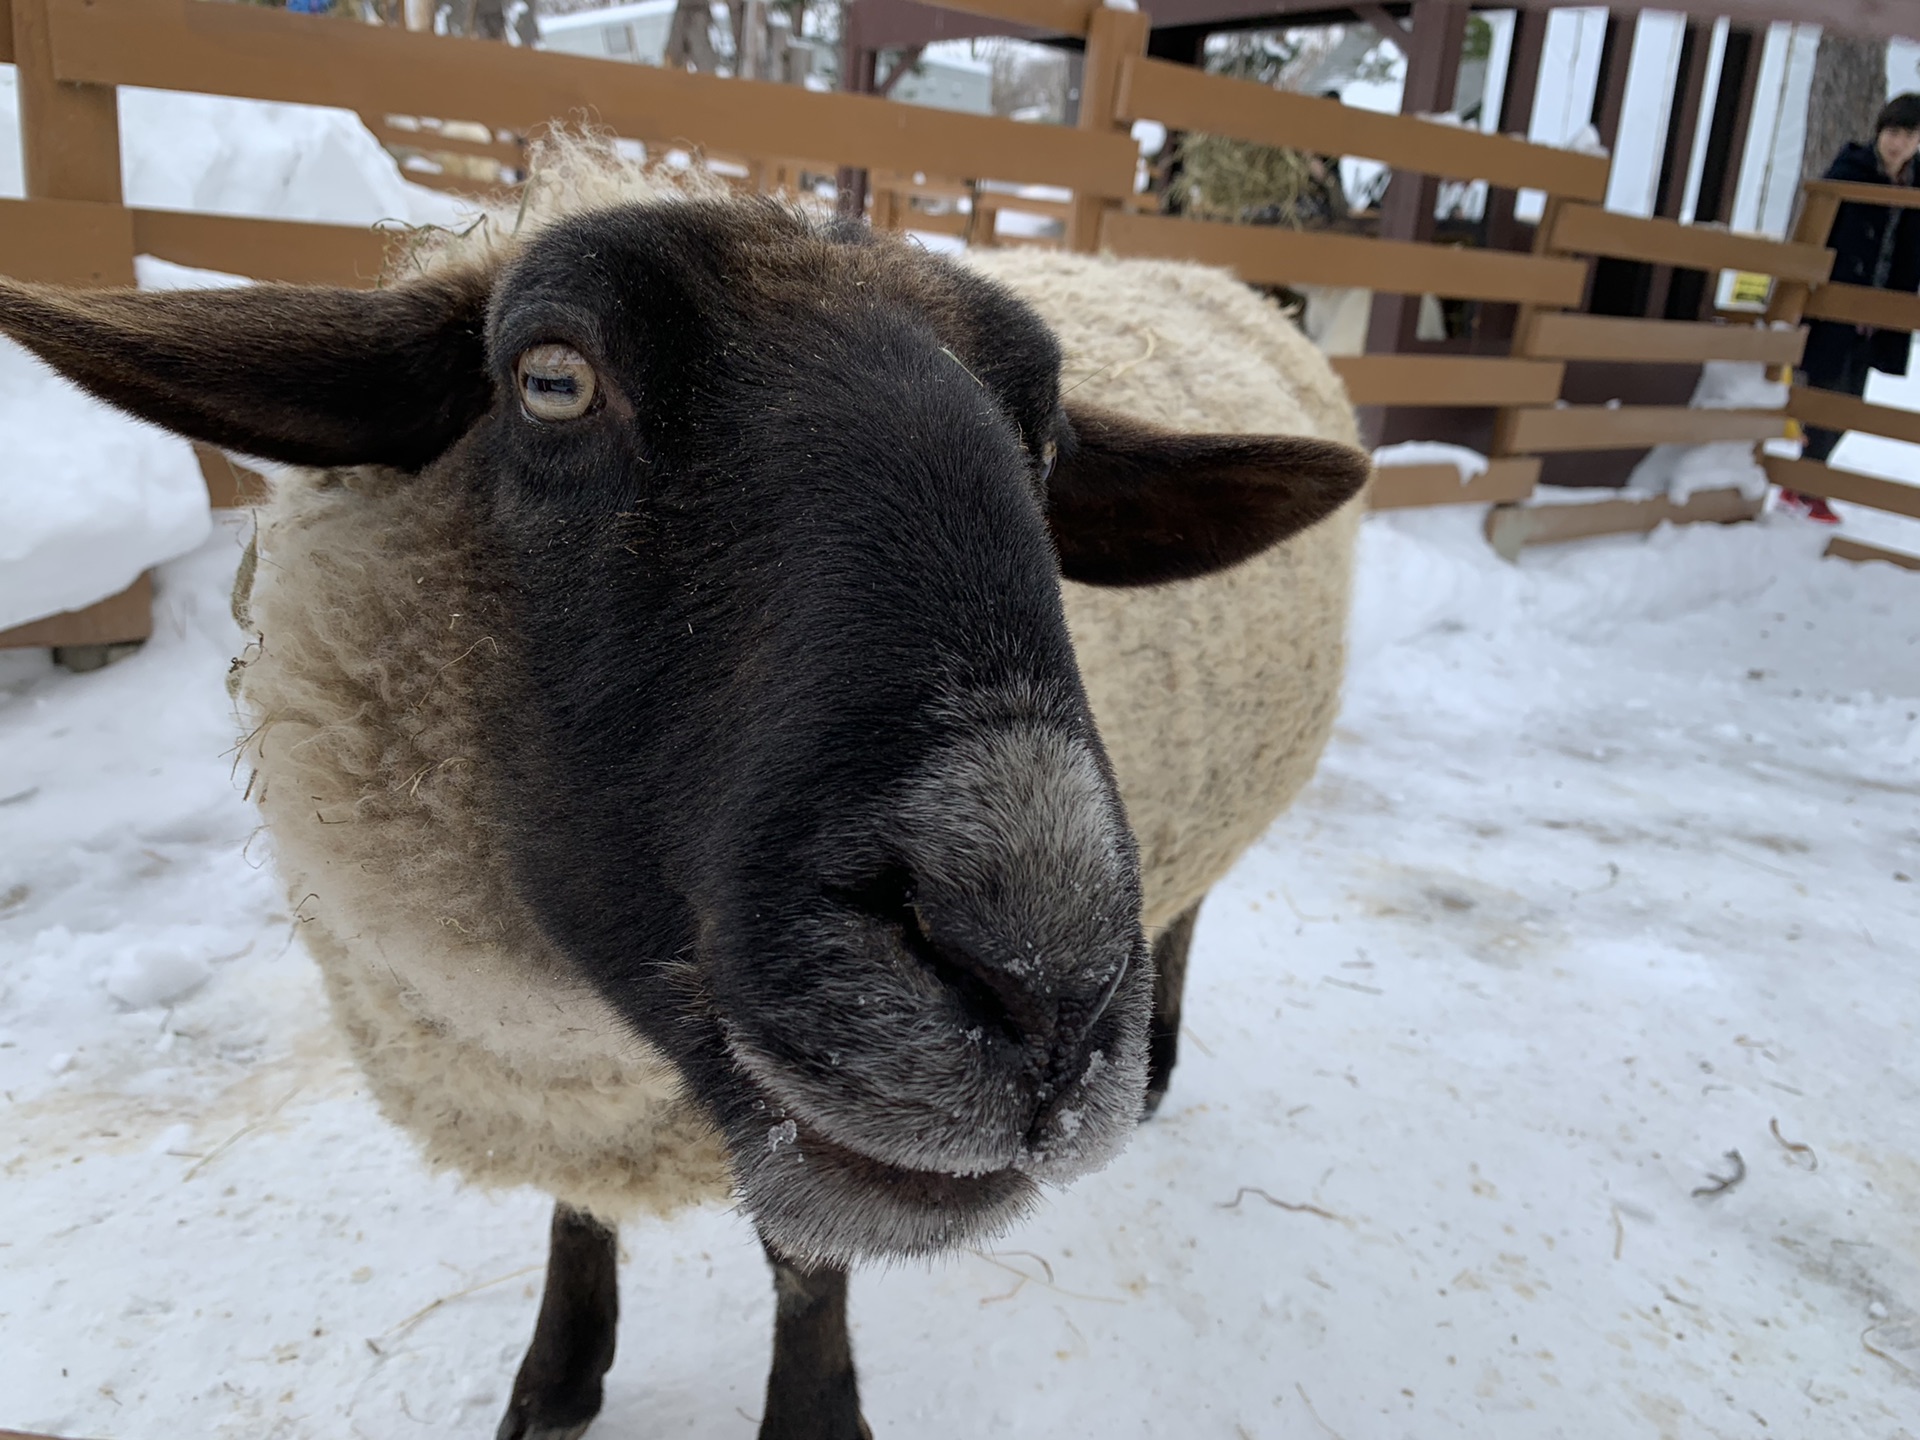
(1807, 507)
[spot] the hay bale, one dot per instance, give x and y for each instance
(1225, 179)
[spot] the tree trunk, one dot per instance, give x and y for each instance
(1849, 87)
(490, 19)
(689, 43)
(751, 63)
(527, 27)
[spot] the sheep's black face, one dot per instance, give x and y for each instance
(803, 775)
(796, 764)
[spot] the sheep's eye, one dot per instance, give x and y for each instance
(1049, 453)
(556, 382)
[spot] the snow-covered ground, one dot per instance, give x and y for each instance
(1612, 869)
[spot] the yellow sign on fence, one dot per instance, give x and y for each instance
(1748, 289)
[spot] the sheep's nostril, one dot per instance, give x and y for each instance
(991, 994)
(1105, 997)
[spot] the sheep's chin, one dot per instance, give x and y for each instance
(816, 1202)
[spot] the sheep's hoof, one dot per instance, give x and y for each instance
(861, 1431)
(827, 1417)
(1151, 1105)
(527, 1419)
(548, 1432)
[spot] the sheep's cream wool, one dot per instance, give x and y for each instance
(1214, 697)
(376, 623)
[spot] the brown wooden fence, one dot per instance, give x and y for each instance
(1849, 305)
(932, 170)
(1183, 98)
(1588, 231)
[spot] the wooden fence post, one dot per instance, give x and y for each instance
(1788, 303)
(70, 149)
(1112, 36)
(69, 134)
(1522, 344)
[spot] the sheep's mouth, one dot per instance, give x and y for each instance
(818, 1200)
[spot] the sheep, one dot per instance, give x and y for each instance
(709, 675)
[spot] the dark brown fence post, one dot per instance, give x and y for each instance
(69, 134)
(1112, 36)
(70, 148)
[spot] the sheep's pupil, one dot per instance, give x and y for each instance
(562, 385)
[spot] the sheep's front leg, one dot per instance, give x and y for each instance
(1169, 982)
(811, 1393)
(557, 1392)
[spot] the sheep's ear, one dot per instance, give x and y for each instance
(1132, 504)
(305, 375)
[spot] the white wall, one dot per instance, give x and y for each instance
(1770, 168)
(1643, 113)
(1703, 122)
(949, 77)
(1569, 71)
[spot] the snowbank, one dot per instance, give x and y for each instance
(245, 157)
(249, 157)
(90, 499)
(1678, 471)
(94, 499)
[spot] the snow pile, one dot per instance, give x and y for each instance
(246, 157)
(149, 974)
(1470, 463)
(1584, 141)
(1611, 869)
(91, 498)
(1678, 471)
(249, 157)
(99, 498)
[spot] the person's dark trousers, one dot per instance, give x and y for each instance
(1840, 364)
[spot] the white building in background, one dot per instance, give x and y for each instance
(1570, 71)
(635, 32)
(1770, 164)
(949, 77)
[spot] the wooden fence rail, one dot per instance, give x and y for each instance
(1557, 335)
(1183, 98)
(260, 54)
(1275, 255)
(1590, 230)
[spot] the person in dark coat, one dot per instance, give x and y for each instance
(1872, 246)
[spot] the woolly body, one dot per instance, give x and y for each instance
(1214, 697)
(376, 614)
